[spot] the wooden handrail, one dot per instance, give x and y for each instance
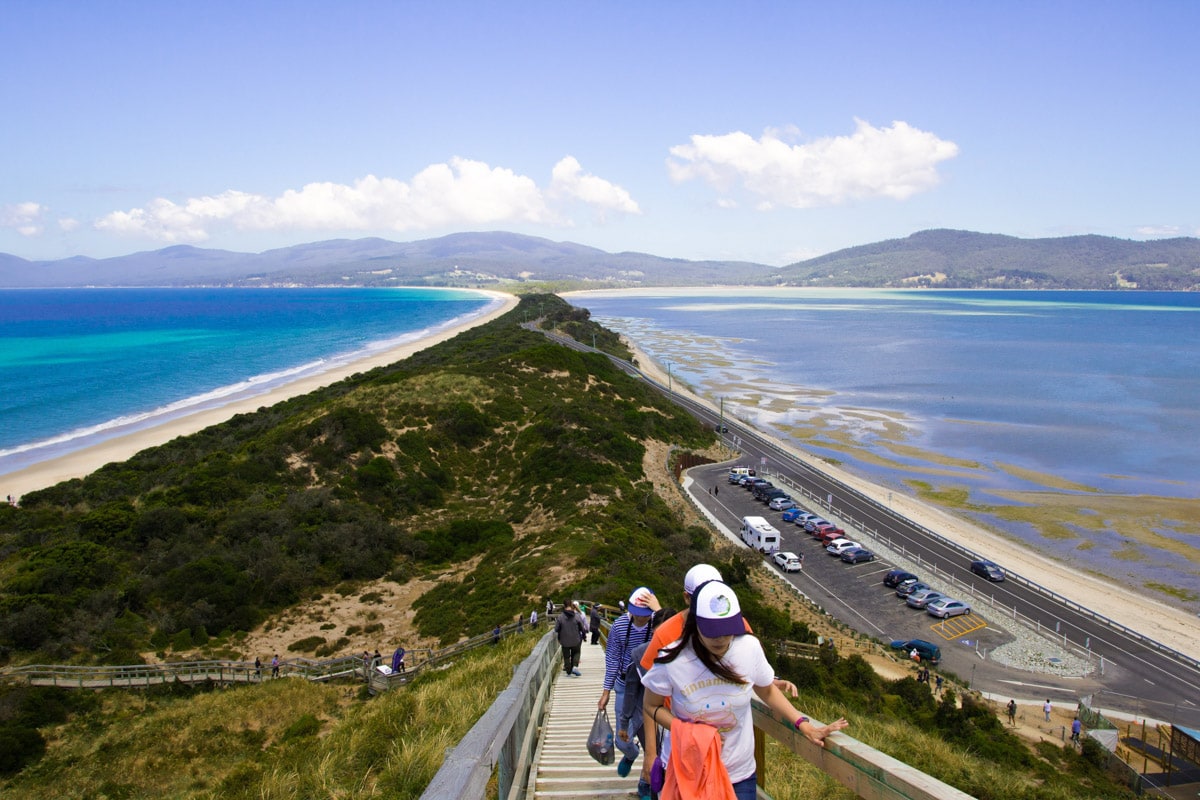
(869, 773)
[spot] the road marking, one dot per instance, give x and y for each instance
(960, 627)
(1038, 686)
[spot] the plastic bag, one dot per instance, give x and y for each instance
(600, 740)
(658, 775)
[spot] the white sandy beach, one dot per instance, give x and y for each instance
(86, 461)
(1173, 627)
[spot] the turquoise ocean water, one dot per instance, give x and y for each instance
(81, 365)
(1098, 388)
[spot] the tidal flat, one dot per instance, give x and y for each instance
(1143, 540)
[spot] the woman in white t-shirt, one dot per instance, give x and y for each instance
(710, 675)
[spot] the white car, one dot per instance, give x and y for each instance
(781, 503)
(788, 562)
(838, 546)
(947, 607)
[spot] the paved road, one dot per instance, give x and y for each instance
(1134, 674)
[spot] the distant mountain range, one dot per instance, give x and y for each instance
(936, 258)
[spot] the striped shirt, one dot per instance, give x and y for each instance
(623, 638)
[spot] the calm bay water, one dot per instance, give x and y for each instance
(1098, 388)
(77, 365)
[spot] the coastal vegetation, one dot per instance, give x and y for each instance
(498, 467)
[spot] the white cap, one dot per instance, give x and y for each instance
(637, 602)
(701, 573)
(717, 610)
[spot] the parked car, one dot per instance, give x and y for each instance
(929, 652)
(896, 576)
(922, 598)
(905, 588)
(754, 483)
(782, 503)
(760, 490)
(836, 548)
(832, 535)
(947, 607)
(824, 528)
(811, 525)
(788, 562)
(767, 495)
(791, 514)
(988, 569)
(857, 555)
(804, 517)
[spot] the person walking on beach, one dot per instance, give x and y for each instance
(1076, 729)
(258, 667)
(1012, 712)
(594, 624)
(1046, 709)
(533, 618)
(275, 666)
(938, 683)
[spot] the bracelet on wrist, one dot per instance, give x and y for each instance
(799, 722)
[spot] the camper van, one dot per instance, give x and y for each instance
(760, 534)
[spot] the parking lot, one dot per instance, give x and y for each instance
(854, 593)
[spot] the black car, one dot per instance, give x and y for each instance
(895, 577)
(987, 569)
(771, 494)
(763, 489)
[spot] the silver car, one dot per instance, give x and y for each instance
(923, 598)
(947, 607)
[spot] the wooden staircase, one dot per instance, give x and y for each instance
(564, 769)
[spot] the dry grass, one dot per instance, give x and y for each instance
(284, 739)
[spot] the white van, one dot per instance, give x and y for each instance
(737, 473)
(760, 534)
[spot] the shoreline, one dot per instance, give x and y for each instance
(1169, 626)
(121, 447)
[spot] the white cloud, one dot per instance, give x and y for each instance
(67, 224)
(569, 180)
(1160, 231)
(895, 162)
(24, 218)
(460, 192)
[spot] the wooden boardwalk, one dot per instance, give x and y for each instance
(563, 767)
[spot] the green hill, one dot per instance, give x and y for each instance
(948, 259)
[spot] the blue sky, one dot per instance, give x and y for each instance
(769, 132)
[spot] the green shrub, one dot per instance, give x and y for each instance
(306, 645)
(19, 747)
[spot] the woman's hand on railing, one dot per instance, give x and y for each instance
(818, 733)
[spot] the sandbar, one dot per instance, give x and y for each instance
(80, 463)
(1173, 627)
